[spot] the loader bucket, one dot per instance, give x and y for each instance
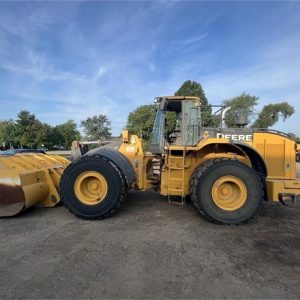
(29, 179)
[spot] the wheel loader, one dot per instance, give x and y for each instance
(226, 173)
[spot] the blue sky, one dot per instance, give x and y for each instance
(70, 60)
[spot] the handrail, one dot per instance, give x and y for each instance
(273, 131)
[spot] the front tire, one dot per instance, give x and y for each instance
(226, 191)
(92, 187)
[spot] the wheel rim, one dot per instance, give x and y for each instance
(229, 193)
(90, 188)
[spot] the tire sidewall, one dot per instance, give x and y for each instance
(229, 168)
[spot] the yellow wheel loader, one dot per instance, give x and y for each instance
(227, 173)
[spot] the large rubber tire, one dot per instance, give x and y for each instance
(297, 157)
(205, 178)
(116, 187)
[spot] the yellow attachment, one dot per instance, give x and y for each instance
(90, 188)
(229, 193)
(29, 179)
(125, 138)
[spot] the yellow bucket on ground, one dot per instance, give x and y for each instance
(29, 179)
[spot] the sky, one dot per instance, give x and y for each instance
(66, 60)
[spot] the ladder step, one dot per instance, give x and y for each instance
(175, 190)
(175, 168)
(176, 202)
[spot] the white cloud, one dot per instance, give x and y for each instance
(193, 40)
(127, 60)
(101, 71)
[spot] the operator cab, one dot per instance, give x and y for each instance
(177, 123)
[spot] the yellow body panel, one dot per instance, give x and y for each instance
(278, 152)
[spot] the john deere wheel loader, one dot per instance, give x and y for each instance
(226, 172)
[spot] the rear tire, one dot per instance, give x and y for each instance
(297, 157)
(92, 187)
(226, 191)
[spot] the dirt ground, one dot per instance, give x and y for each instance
(150, 249)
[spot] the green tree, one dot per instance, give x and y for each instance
(55, 137)
(141, 120)
(44, 136)
(242, 104)
(97, 127)
(66, 133)
(28, 129)
(271, 113)
(8, 133)
(193, 88)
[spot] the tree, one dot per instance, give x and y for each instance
(8, 132)
(66, 133)
(193, 88)
(271, 113)
(28, 129)
(97, 127)
(141, 120)
(55, 137)
(44, 136)
(243, 103)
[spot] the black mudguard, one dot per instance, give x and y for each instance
(257, 161)
(119, 159)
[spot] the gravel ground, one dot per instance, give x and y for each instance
(150, 249)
